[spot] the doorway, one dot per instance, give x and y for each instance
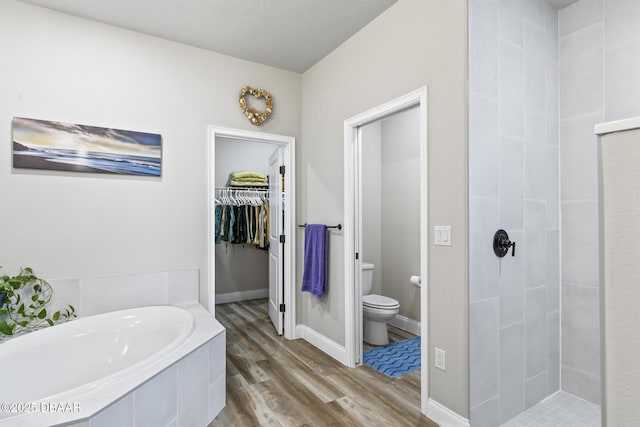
(353, 137)
(280, 260)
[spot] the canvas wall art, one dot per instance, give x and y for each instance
(41, 144)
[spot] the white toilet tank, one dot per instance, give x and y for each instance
(367, 278)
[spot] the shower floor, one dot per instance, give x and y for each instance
(561, 409)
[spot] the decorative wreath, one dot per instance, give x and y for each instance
(256, 117)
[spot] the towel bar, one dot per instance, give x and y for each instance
(339, 226)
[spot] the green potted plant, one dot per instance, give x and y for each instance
(24, 308)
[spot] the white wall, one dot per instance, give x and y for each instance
(68, 69)
(412, 44)
(401, 209)
(241, 267)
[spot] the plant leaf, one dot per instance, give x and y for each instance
(4, 328)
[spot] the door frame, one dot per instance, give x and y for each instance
(353, 238)
(288, 143)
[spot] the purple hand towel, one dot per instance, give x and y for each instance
(314, 278)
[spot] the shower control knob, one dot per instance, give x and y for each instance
(501, 244)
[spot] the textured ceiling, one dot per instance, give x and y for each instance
(289, 34)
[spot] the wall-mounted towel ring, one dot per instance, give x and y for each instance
(501, 244)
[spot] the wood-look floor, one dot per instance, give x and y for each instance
(276, 382)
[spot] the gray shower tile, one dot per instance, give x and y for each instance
(511, 184)
(511, 371)
(622, 94)
(534, 158)
(511, 89)
(561, 409)
(483, 146)
(621, 23)
(581, 66)
(534, 67)
(483, 264)
(483, 348)
(551, 32)
(580, 328)
(535, 389)
(512, 283)
(483, 47)
(535, 331)
(535, 251)
(486, 413)
(553, 352)
(553, 270)
(511, 14)
(581, 384)
(552, 188)
(579, 157)
(579, 236)
(579, 15)
(551, 84)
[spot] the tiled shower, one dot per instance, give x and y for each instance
(539, 80)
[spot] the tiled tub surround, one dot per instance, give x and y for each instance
(186, 388)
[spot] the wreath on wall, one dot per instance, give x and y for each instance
(256, 117)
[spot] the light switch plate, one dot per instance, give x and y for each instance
(442, 235)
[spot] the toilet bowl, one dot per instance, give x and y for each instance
(376, 310)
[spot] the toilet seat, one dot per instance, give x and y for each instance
(379, 302)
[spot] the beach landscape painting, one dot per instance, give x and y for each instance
(42, 144)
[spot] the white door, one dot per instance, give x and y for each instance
(276, 217)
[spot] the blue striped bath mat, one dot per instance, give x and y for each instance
(395, 359)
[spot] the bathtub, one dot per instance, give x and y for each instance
(70, 372)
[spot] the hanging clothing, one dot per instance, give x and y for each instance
(217, 219)
(238, 222)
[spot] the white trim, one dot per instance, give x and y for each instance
(352, 286)
(617, 126)
(242, 296)
(406, 324)
(444, 416)
(323, 343)
(288, 142)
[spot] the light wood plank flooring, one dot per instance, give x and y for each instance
(276, 382)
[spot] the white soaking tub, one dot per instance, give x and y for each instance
(70, 372)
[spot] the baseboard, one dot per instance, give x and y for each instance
(406, 324)
(241, 296)
(323, 343)
(444, 416)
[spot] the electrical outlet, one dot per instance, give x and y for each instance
(440, 359)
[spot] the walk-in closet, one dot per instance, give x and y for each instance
(242, 217)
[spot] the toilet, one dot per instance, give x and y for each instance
(376, 310)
